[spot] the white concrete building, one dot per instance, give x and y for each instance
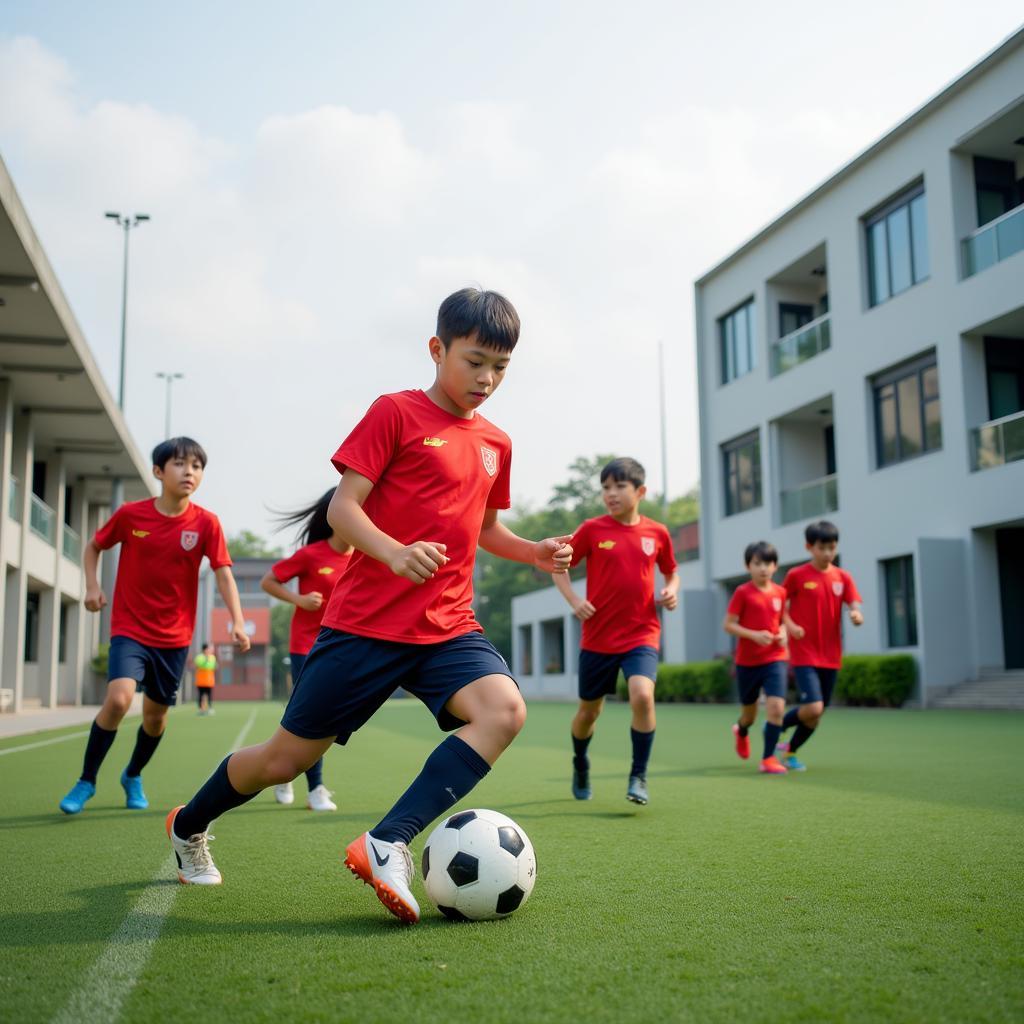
(62, 443)
(861, 359)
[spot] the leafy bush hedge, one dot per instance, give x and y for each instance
(876, 680)
(700, 682)
(100, 659)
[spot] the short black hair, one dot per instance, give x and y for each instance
(487, 317)
(206, 643)
(178, 448)
(625, 470)
(762, 551)
(822, 531)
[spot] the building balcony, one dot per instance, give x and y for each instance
(998, 442)
(686, 541)
(993, 242)
(43, 520)
(800, 345)
(72, 546)
(14, 500)
(810, 500)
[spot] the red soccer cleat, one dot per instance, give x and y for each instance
(742, 743)
(772, 766)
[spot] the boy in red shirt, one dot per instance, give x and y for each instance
(424, 475)
(816, 592)
(621, 631)
(163, 542)
(754, 616)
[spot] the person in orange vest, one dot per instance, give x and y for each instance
(206, 667)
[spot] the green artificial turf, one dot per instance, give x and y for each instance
(883, 884)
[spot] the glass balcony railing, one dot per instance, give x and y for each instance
(815, 498)
(43, 520)
(998, 442)
(14, 500)
(992, 242)
(800, 345)
(72, 545)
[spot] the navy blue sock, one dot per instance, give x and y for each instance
(145, 746)
(771, 738)
(580, 761)
(216, 796)
(96, 748)
(450, 772)
(315, 775)
(800, 737)
(792, 717)
(642, 743)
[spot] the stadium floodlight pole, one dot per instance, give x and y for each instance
(126, 223)
(170, 378)
(664, 434)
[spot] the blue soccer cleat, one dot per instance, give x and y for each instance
(581, 784)
(637, 791)
(135, 799)
(75, 800)
(794, 764)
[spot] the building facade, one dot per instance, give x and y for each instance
(63, 443)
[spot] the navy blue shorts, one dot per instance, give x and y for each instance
(157, 671)
(346, 678)
(814, 684)
(599, 673)
(295, 663)
(752, 679)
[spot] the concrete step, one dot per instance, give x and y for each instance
(1005, 691)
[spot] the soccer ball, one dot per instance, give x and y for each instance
(478, 865)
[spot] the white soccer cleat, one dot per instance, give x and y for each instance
(319, 799)
(389, 869)
(284, 794)
(195, 865)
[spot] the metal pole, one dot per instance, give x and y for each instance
(167, 408)
(664, 435)
(124, 313)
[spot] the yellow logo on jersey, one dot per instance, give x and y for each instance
(325, 571)
(140, 533)
(606, 545)
(810, 585)
(434, 442)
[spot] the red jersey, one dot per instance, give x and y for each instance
(816, 602)
(158, 569)
(620, 581)
(318, 567)
(758, 609)
(434, 475)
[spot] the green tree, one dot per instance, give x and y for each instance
(280, 630)
(246, 544)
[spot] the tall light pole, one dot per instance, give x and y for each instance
(664, 438)
(170, 378)
(127, 223)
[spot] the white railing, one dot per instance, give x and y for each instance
(814, 498)
(998, 442)
(72, 545)
(993, 242)
(14, 500)
(800, 345)
(43, 520)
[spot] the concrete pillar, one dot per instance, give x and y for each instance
(16, 583)
(49, 599)
(6, 452)
(78, 650)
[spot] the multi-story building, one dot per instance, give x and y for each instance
(63, 442)
(861, 359)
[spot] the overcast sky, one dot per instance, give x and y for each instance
(321, 175)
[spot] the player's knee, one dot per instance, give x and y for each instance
(642, 701)
(812, 713)
(508, 717)
(118, 704)
(588, 715)
(154, 724)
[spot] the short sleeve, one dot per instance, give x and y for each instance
(851, 595)
(500, 494)
(288, 568)
(216, 549)
(736, 602)
(112, 531)
(373, 441)
(580, 543)
(791, 584)
(666, 556)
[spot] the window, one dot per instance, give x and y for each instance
(736, 341)
(907, 411)
(900, 604)
(793, 316)
(897, 244)
(32, 626)
(742, 471)
(552, 638)
(526, 650)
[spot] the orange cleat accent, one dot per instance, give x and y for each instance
(772, 766)
(742, 743)
(169, 825)
(358, 863)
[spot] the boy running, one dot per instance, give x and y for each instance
(424, 475)
(621, 630)
(163, 541)
(816, 592)
(754, 616)
(206, 668)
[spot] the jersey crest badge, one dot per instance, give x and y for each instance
(810, 585)
(434, 442)
(606, 545)
(777, 603)
(837, 589)
(140, 533)
(490, 460)
(647, 545)
(325, 570)
(189, 539)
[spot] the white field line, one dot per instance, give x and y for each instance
(44, 743)
(106, 985)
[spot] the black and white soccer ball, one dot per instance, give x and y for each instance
(478, 865)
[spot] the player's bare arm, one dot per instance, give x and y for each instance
(95, 599)
(761, 637)
(797, 632)
(856, 615)
(310, 602)
(668, 598)
(580, 606)
(553, 554)
(416, 562)
(229, 595)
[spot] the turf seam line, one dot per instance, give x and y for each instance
(107, 984)
(44, 743)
